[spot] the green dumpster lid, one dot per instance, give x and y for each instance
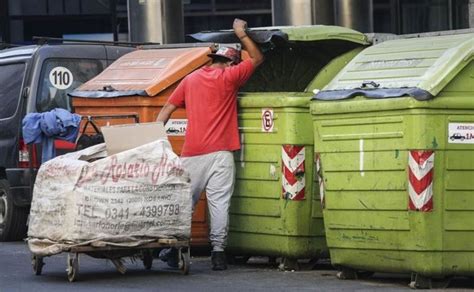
(323, 32)
(289, 33)
(419, 67)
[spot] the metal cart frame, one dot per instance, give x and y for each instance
(143, 251)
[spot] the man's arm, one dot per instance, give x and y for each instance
(249, 45)
(166, 112)
(175, 100)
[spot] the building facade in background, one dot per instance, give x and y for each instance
(20, 20)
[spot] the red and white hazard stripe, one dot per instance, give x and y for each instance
(319, 173)
(420, 177)
(293, 178)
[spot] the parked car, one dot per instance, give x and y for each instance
(37, 78)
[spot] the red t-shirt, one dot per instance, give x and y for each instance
(210, 98)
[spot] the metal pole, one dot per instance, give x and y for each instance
(156, 21)
(395, 16)
(323, 12)
(355, 14)
(450, 14)
(4, 22)
(292, 12)
(471, 13)
(113, 18)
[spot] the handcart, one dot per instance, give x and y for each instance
(116, 253)
(72, 187)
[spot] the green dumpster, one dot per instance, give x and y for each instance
(275, 209)
(394, 139)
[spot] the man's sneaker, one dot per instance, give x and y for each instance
(218, 261)
(170, 256)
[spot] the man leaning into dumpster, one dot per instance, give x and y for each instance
(209, 95)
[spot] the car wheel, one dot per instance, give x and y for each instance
(12, 218)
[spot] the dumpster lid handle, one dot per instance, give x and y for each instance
(365, 84)
(376, 93)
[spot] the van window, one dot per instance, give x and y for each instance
(11, 78)
(60, 77)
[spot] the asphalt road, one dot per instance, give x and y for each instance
(16, 274)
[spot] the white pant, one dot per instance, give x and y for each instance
(215, 173)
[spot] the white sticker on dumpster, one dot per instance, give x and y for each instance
(267, 120)
(461, 133)
(176, 127)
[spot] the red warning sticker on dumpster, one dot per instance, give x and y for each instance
(461, 133)
(267, 120)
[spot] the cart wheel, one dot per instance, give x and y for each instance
(72, 267)
(184, 260)
(37, 263)
(147, 259)
(118, 263)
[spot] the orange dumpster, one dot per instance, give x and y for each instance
(139, 84)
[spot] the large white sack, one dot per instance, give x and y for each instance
(125, 199)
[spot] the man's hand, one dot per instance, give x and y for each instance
(239, 27)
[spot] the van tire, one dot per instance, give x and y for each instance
(13, 219)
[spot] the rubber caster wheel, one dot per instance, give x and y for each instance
(147, 258)
(313, 263)
(242, 260)
(440, 283)
(346, 274)
(288, 264)
(184, 260)
(421, 282)
(364, 274)
(37, 263)
(272, 261)
(72, 267)
(237, 260)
